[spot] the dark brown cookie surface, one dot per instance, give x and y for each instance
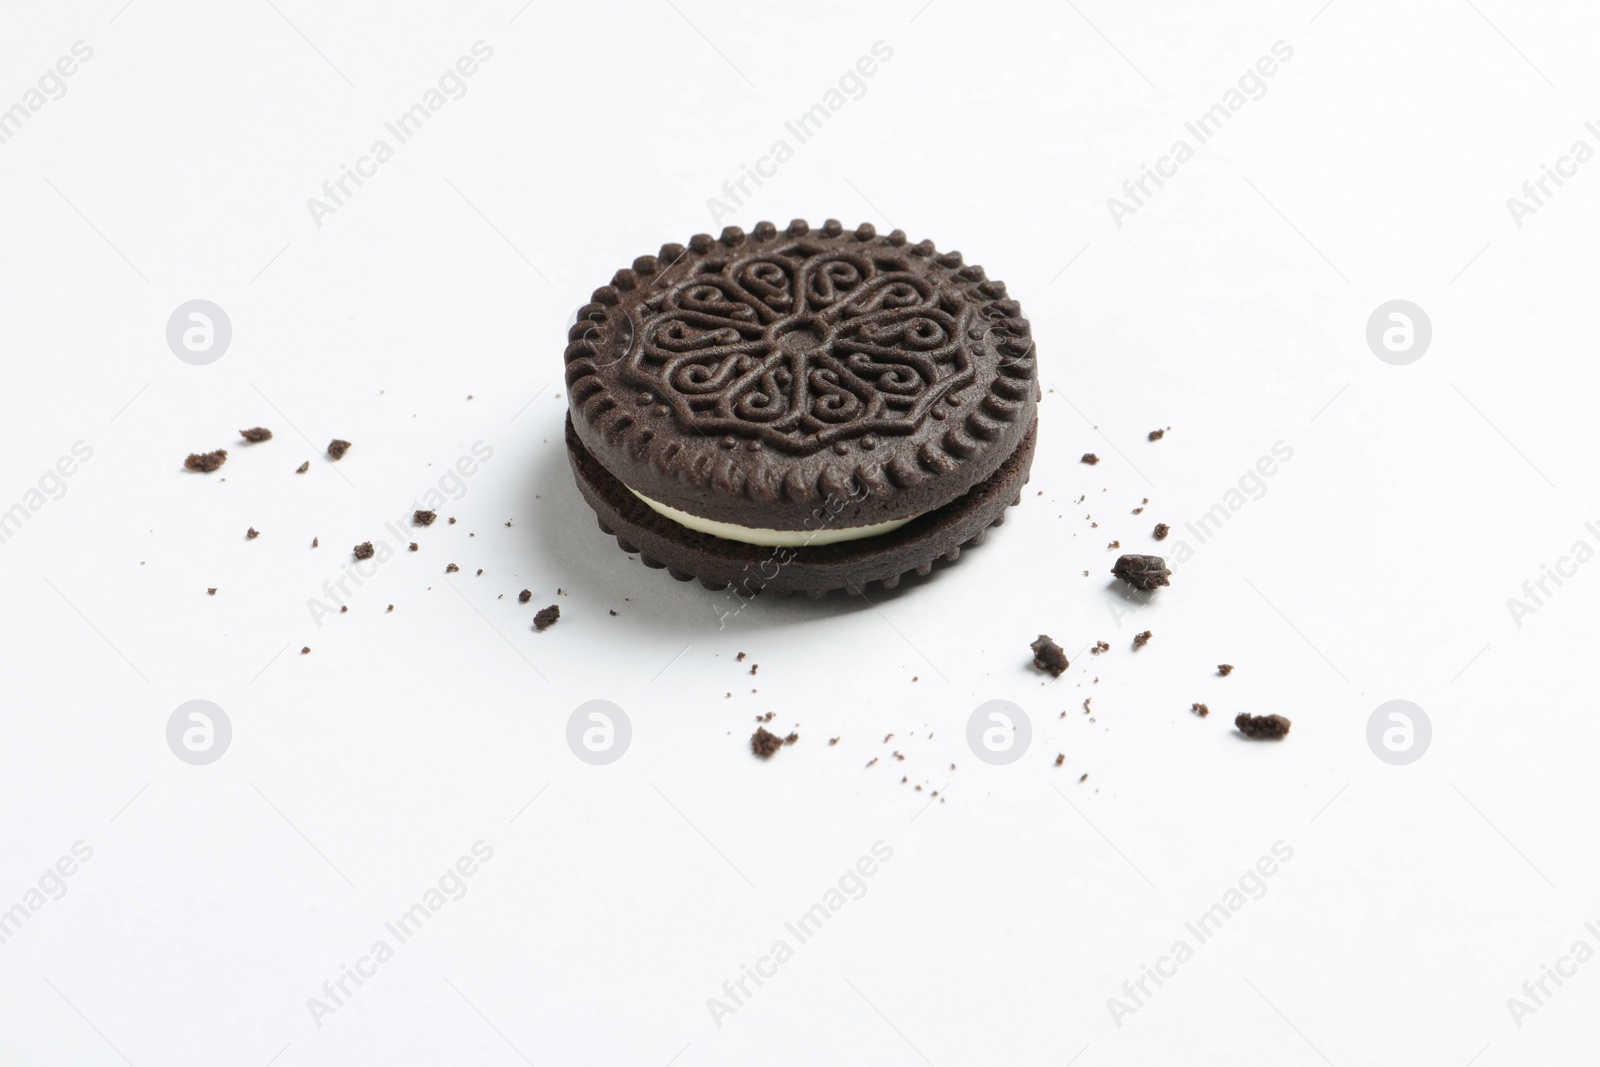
(752, 379)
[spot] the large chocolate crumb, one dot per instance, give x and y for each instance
(1161, 531)
(764, 742)
(524, 596)
(206, 462)
(423, 518)
(546, 618)
(364, 550)
(1049, 656)
(256, 434)
(1142, 572)
(337, 448)
(1224, 669)
(1262, 727)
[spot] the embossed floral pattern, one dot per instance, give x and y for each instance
(802, 348)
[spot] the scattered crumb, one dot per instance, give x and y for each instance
(1099, 647)
(739, 658)
(206, 462)
(546, 618)
(303, 467)
(251, 534)
(314, 542)
(1200, 710)
(1083, 779)
(613, 611)
(452, 520)
(764, 742)
(343, 608)
(754, 667)
(305, 651)
(871, 761)
(1224, 669)
(1161, 531)
(1262, 727)
(1061, 757)
(524, 596)
(1142, 572)
(1114, 544)
(423, 518)
(413, 546)
(364, 550)
(833, 740)
(451, 568)
(1090, 458)
(212, 591)
(256, 434)
(480, 572)
(391, 608)
(1141, 639)
(1156, 435)
(1049, 656)
(337, 448)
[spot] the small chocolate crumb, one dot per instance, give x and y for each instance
(343, 608)
(1085, 778)
(303, 467)
(212, 591)
(256, 434)
(1099, 647)
(739, 658)
(1049, 656)
(613, 611)
(1161, 531)
(1200, 710)
(451, 568)
(1224, 669)
(1061, 757)
(754, 667)
(364, 550)
(251, 534)
(413, 546)
(1090, 458)
(833, 740)
(524, 596)
(1262, 727)
(452, 520)
(764, 742)
(306, 651)
(206, 462)
(1141, 639)
(337, 448)
(792, 738)
(546, 618)
(480, 572)
(423, 518)
(314, 542)
(1114, 544)
(1142, 572)
(391, 608)
(1156, 435)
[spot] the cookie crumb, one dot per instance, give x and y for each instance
(613, 611)
(423, 518)
(1049, 656)
(452, 520)
(754, 667)
(413, 546)
(391, 608)
(303, 467)
(1200, 710)
(305, 651)
(833, 740)
(1161, 531)
(480, 572)
(739, 658)
(364, 550)
(1061, 757)
(314, 542)
(337, 448)
(212, 591)
(343, 608)
(1142, 572)
(546, 618)
(206, 462)
(524, 596)
(1224, 669)
(1090, 458)
(251, 534)
(256, 434)
(764, 742)
(1262, 727)
(1141, 639)
(1099, 647)
(1156, 435)
(1114, 544)
(451, 568)
(1083, 779)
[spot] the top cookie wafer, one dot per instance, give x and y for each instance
(752, 378)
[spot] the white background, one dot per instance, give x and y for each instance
(1376, 564)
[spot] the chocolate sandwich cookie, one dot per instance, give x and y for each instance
(800, 410)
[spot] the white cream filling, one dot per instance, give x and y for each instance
(751, 535)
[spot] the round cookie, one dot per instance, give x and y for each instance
(778, 391)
